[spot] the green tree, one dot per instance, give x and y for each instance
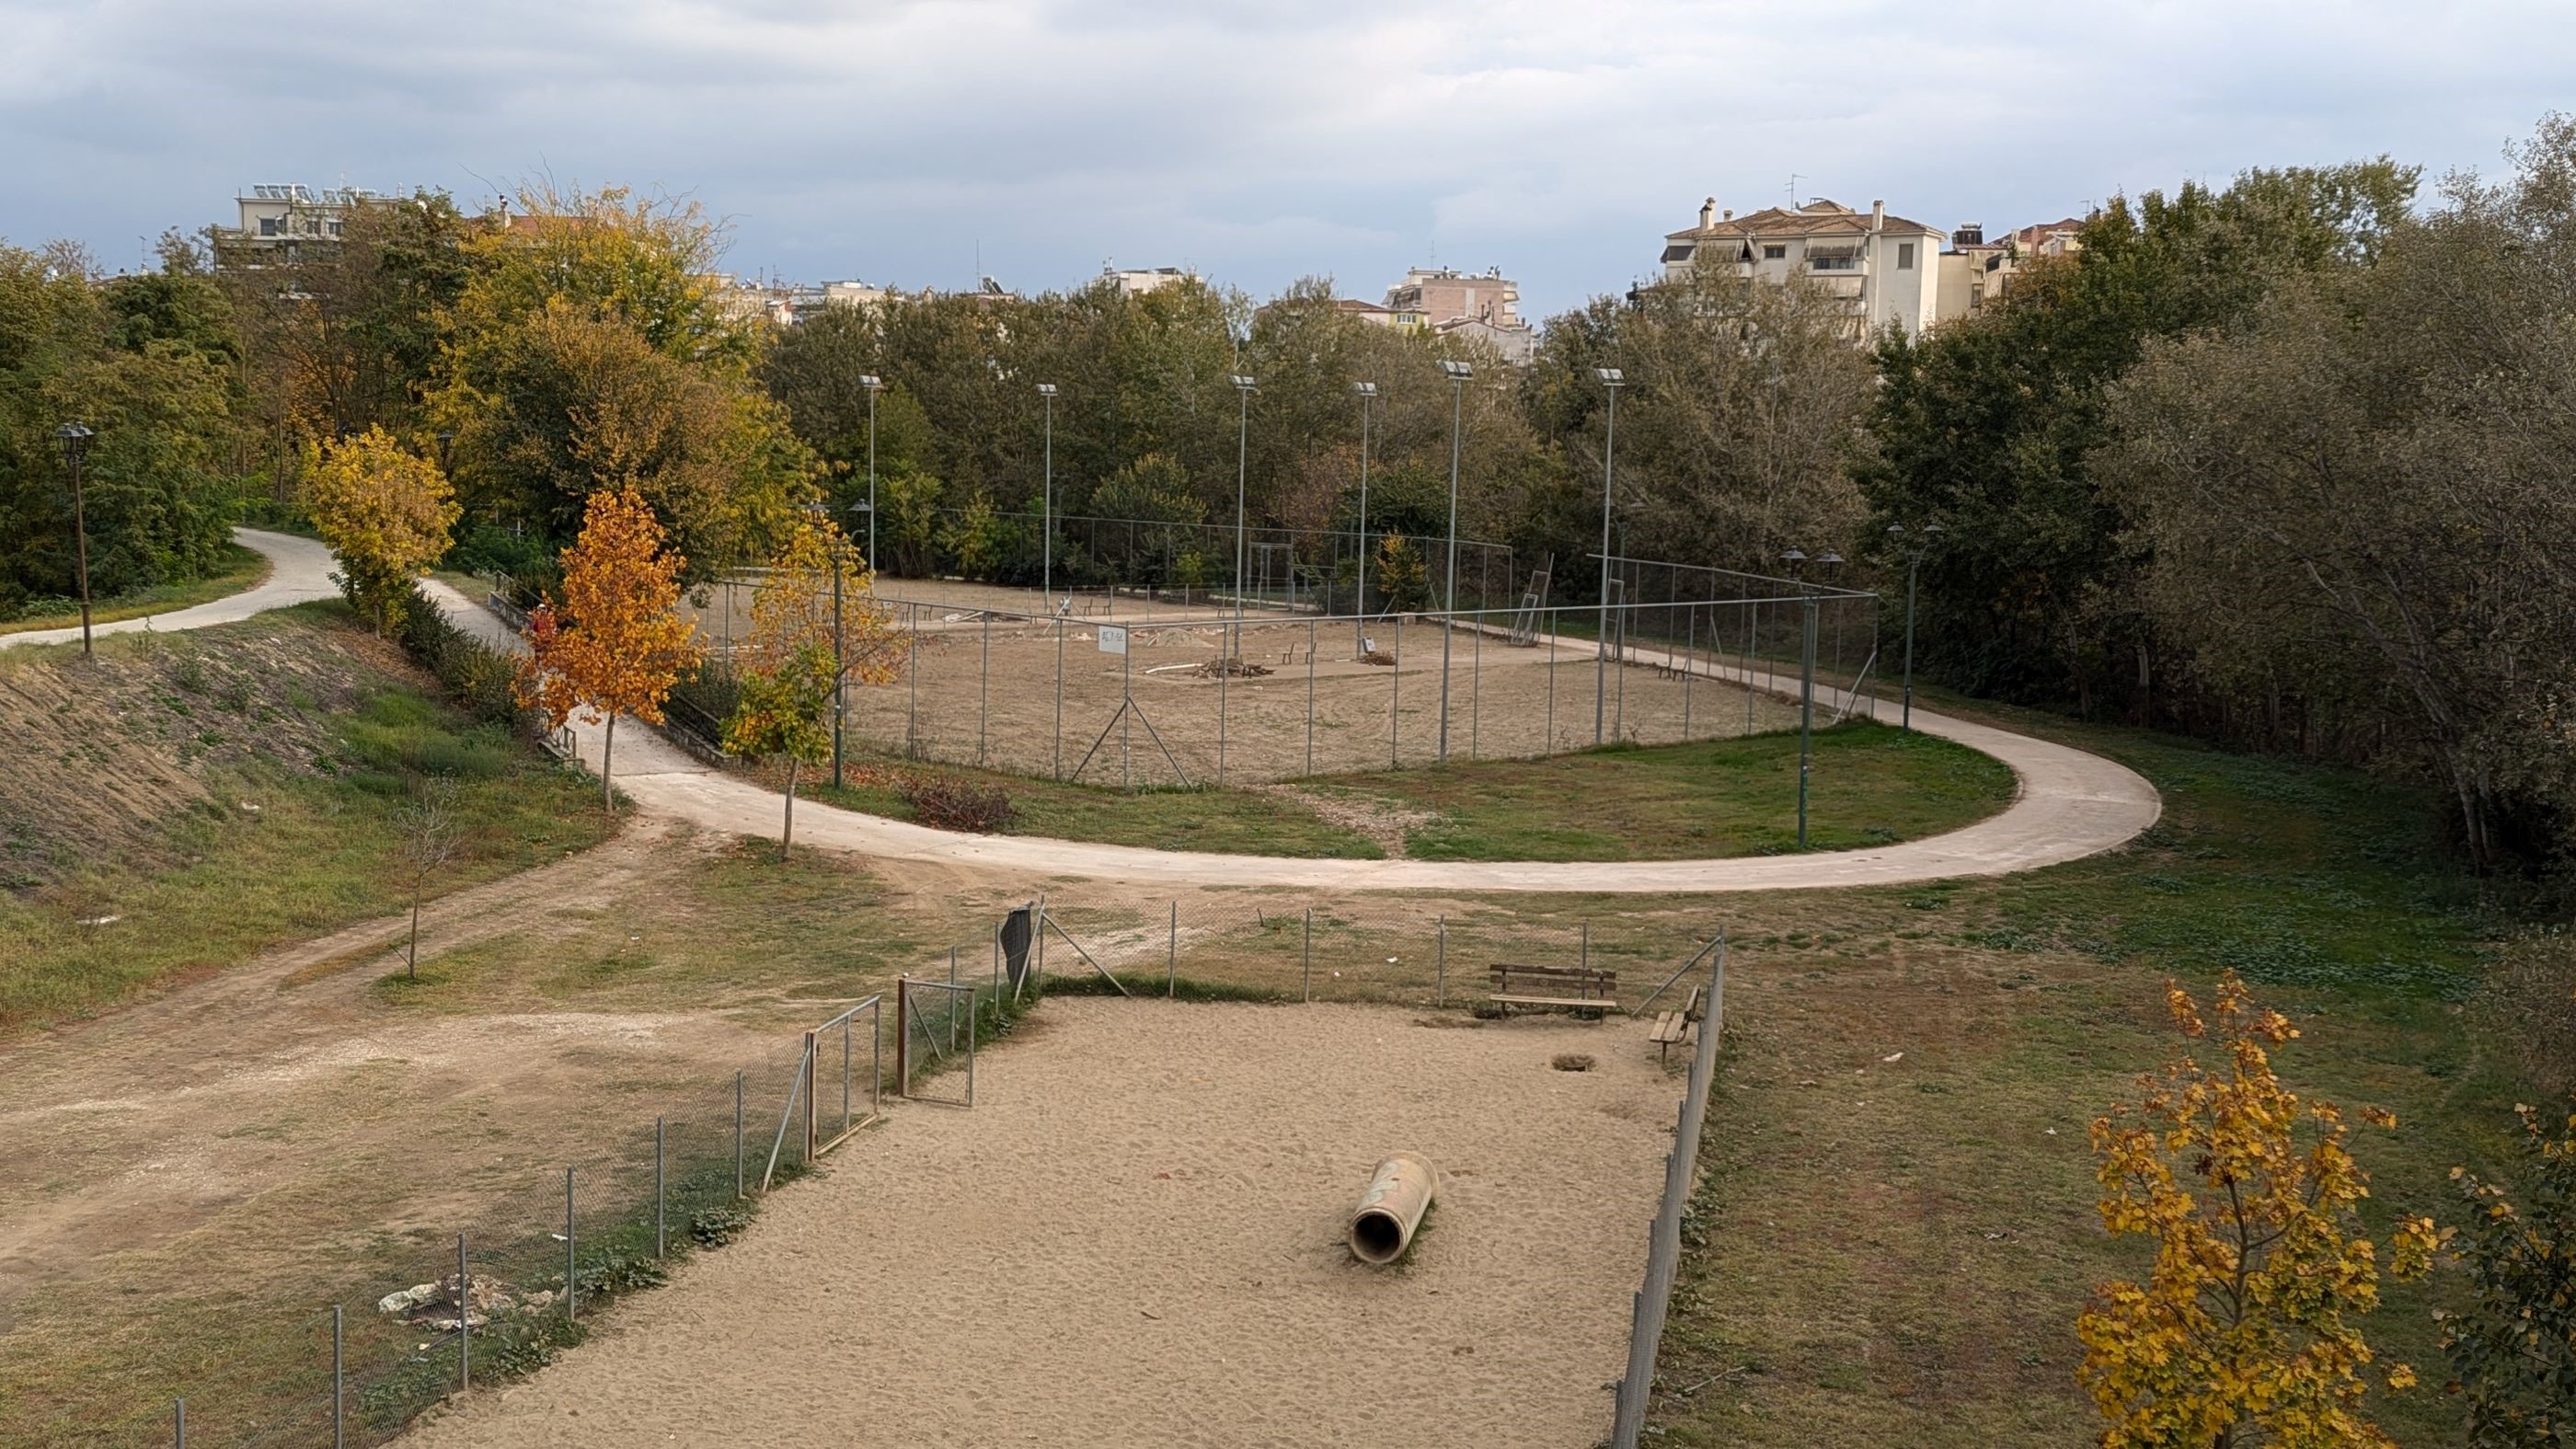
(1989, 424)
(2513, 1347)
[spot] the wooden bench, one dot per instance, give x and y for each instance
(1576, 988)
(1676, 1026)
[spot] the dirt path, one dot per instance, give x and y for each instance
(135, 1130)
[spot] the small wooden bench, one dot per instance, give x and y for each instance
(1576, 988)
(1676, 1026)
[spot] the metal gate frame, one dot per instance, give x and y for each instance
(905, 1017)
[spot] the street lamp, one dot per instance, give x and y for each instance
(869, 382)
(1458, 373)
(1242, 465)
(1359, 606)
(1046, 576)
(1611, 382)
(1806, 677)
(1915, 548)
(75, 441)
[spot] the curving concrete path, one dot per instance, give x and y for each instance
(299, 572)
(2070, 805)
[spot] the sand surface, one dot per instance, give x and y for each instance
(1135, 1237)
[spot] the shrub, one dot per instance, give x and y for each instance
(2530, 1004)
(949, 803)
(478, 675)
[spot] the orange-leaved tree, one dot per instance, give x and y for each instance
(615, 642)
(386, 512)
(2245, 1329)
(800, 655)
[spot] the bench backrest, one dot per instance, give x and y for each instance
(1579, 980)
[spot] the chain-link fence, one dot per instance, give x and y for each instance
(985, 677)
(1664, 1237)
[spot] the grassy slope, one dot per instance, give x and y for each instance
(318, 853)
(242, 568)
(1870, 786)
(1896, 1252)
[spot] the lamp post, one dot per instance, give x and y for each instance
(1046, 575)
(1611, 382)
(1359, 605)
(1915, 548)
(869, 382)
(1242, 465)
(1806, 683)
(75, 441)
(1458, 373)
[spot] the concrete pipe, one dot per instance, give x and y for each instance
(1392, 1208)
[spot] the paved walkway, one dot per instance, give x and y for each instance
(2070, 805)
(299, 571)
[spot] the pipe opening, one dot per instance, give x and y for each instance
(1377, 1236)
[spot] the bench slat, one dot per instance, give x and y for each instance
(1589, 1003)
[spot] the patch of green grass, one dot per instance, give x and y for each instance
(318, 853)
(1868, 785)
(241, 569)
(1233, 822)
(1932, 1219)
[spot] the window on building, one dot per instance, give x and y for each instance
(268, 226)
(1774, 253)
(1834, 264)
(1905, 256)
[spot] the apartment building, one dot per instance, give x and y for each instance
(1137, 281)
(1881, 268)
(1484, 306)
(276, 223)
(1975, 271)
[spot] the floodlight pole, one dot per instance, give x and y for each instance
(1458, 373)
(1242, 473)
(1359, 604)
(1046, 575)
(1913, 566)
(873, 385)
(1611, 381)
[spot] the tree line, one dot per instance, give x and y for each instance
(2283, 462)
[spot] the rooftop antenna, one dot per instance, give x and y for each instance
(1794, 179)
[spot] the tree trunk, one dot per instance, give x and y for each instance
(411, 957)
(787, 830)
(607, 748)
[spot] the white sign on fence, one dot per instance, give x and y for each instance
(1113, 639)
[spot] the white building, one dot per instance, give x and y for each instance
(275, 222)
(1882, 268)
(1137, 281)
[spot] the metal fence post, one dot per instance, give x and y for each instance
(179, 1423)
(572, 1278)
(464, 1328)
(660, 1197)
(737, 1133)
(1306, 980)
(1311, 627)
(1440, 967)
(1395, 700)
(339, 1396)
(1585, 960)
(1172, 956)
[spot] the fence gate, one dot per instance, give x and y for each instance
(934, 1036)
(822, 1098)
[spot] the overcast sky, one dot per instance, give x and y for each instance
(1253, 140)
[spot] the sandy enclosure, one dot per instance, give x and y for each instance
(979, 687)
(1135, 1237)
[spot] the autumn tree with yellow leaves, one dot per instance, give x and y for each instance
(2246, 1328)
(386, 512)
(800, 656)
(615, 642)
